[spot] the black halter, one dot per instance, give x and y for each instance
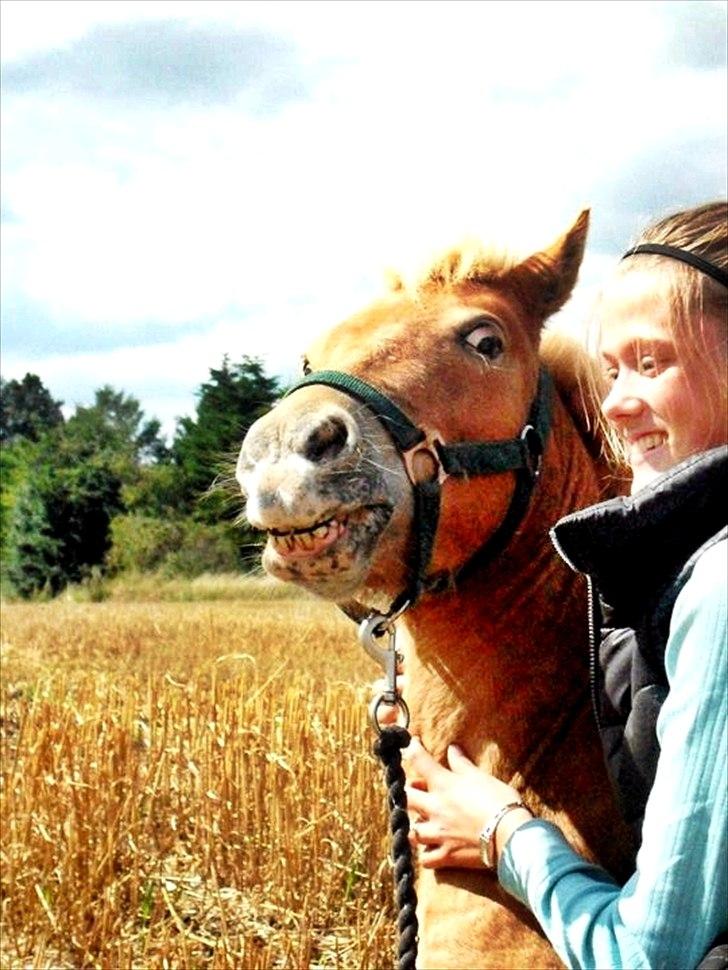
(464, 459)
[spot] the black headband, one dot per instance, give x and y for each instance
(697, 262)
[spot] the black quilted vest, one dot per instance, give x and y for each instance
(637, 553)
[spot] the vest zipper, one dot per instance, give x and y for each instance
(591, 622)
(591, 626)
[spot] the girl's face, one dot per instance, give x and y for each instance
(661, 402)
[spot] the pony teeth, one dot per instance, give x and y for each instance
(302, 541)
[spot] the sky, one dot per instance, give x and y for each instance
(187, 180)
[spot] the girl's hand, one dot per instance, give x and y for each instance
(452, 807)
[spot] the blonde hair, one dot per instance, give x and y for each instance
(470, 261)
(698, 303)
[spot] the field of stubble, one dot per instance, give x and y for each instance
(189, 785)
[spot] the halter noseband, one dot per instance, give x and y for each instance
(463, 459)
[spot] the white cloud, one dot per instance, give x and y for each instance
(164, 376)
(425, 122)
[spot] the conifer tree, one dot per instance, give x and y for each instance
(206, 446)
(27, 409)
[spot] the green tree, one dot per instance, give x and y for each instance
(114, 426)
(205, 447)
(157, 491)
(16, 461)
(32, 554)
(27, 409)
(60, 523)
(172, 546)
(104, 489)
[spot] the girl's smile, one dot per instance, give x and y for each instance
(658, 403)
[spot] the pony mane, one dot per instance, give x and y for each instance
(578, 377)
(572, 370)
(471, 260)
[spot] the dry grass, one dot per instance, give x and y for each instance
(152, 587)
(189, 785)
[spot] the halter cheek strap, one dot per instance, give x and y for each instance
(521, 455)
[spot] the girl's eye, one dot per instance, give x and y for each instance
(487, 340)
(611, 374)
(648, 365)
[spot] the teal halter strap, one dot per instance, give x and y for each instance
(405, 434)
(464, 459)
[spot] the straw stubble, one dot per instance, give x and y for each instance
(190, 785)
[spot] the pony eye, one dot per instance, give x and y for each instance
(487, 340)
(305, 366)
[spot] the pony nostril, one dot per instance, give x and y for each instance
(327, 440)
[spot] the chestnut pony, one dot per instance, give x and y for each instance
(379, 502)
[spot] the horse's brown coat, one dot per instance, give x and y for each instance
(499, 663)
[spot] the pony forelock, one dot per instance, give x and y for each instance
(470, 261)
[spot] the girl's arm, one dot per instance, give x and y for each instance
(676, 903)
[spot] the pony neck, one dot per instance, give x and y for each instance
(510, 641)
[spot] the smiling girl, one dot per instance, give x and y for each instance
(662, 341)
(656, 566)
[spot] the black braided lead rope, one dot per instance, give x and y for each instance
(388, 748)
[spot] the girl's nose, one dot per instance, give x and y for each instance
(623, 399)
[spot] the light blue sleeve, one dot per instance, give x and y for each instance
(676, 903)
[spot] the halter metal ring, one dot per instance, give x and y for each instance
(534, 450)
(398, 701)
(429, 445)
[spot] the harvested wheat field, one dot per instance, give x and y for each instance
(190, 784)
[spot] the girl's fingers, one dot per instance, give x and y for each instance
(426, 833)
(420, 762)
(418, 800)
(458, 760)
(433, 858)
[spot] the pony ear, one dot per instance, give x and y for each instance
(545, 280)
